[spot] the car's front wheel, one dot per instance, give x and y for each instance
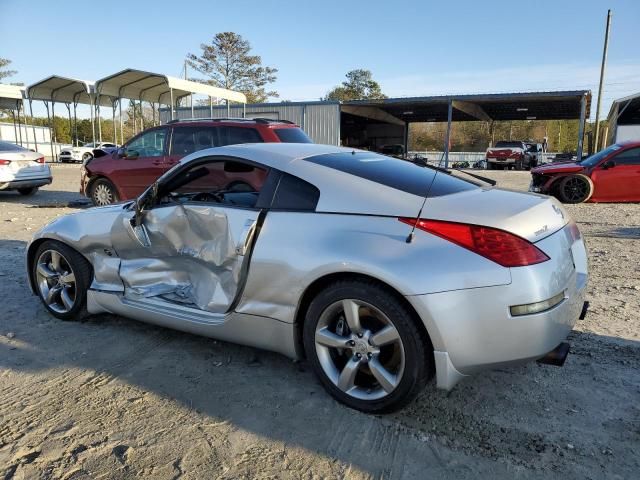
(365, 346)
(103, 193)
(575, 189)
(62, 277)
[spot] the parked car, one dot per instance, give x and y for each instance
(126, 173)
(509, 155)
(326, 259)
(611, 175)
(535, 152)
(83, 153)
(22, 169)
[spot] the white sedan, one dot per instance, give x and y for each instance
(22, 169)
(83, 153)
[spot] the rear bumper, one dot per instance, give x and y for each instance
(27, 183)
(475, 328)
(501, 160)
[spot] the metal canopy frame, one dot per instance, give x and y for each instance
(156, 89)
(560, 105)
(12, 98)
(624, 111)
(70, 92)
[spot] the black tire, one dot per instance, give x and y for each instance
(518, 165)
(27, 191)
(415, 345)
(490, 166)
(575, 189)
(81, 270)
(103, 193)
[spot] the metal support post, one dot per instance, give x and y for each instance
(447, 138)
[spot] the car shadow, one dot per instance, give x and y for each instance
(46, 199)
(275, 398)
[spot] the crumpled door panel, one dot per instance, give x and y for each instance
(193, 258)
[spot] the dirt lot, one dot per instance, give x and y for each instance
(114, 398)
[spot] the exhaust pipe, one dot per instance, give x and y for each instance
(557, 356)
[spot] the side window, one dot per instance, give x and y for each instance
(149, 144)
(218, 182)
(234, 135)
(186, 140)
(294, 193)
(628, 157)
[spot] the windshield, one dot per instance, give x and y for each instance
(596, 157)
(89, 145)
(509, 145)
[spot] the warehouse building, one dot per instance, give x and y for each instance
(372, 124)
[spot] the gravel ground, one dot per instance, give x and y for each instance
(114, 398)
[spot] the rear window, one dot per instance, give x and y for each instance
(10, 147)
(235, 135)
(292, 135)
(395, 173)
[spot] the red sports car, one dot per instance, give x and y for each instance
(611, 175)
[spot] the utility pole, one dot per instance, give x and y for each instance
(604, 61)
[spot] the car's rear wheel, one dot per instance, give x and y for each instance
(575, 189)
(62, 277)
(365, 347)
(518, 165)
(28, 191)
(103, 193)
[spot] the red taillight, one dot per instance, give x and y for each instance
(502, 247)
(40, 159)
(5, 162)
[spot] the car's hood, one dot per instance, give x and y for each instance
(530, 216)
(87, 229)
(559, 167)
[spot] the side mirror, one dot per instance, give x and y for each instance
(608, 164)
(128, 154)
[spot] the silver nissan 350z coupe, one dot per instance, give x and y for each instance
(381, 272)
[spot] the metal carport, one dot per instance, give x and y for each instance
(155, 88)
(11, 98)
(560, 105)
(623, 120)
(70, 92)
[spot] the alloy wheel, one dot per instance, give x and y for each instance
(359, 349)
(575, 189)
(102, 195)
(56, 281)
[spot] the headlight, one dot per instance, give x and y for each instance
(531, 308)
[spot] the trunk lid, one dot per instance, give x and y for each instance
(503, 152)
(527, 215)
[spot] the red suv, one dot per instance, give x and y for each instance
(126, 172)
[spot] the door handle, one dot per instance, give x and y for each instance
(245, 237)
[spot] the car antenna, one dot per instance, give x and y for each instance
(412, 234)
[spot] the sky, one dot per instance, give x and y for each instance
(413, 48)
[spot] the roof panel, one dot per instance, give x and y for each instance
(64, 90)
(558, 105)
(155, 87)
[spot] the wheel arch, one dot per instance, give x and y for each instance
(33, 248)
(93, 179)
(322, 282)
